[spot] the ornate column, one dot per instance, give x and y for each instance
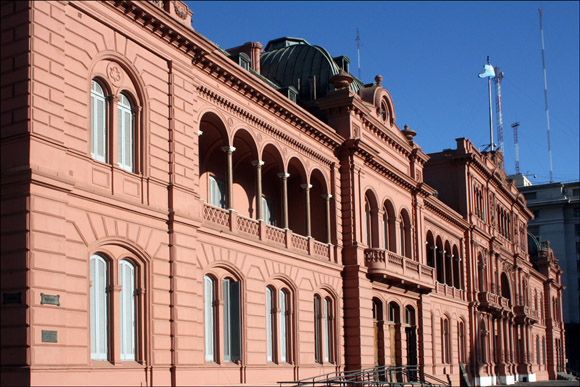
(229, 150)
(284, 179)
(306, 188)
(258, 164)
(327, 198)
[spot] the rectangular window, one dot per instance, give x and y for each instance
(217, 192)
(209, 318)
(232, 336)
(127, 279)
(98, 308)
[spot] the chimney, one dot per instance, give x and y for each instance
(251, 49)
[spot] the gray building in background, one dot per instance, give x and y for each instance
(556, 208)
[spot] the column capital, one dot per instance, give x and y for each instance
(283, 175)
(326, 196)
(113, 98)
(257, 163)
(306, 187)
(199, 133)
(228, 149)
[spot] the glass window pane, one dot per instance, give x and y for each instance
(283, 337)
(209, 320)
(98, 122)
(326, 321)
(125, 133)
(269, 341)
(127, 312)
(217, 192)
(98, 299)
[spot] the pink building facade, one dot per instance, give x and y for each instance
(177, 214)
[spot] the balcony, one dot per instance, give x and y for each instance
(449, 291)
(494, 303)
(402, 271)
(526, 314)
(230, 220)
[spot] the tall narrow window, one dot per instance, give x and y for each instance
(317, 338)
(231, 321)
(403, 240)
(269, 327)
(386, 229)
(98, 122)
(209, 318)
(544, 349)
(283, 326)
(369, 220)
(125, 133)
(217, 192)
(327, 330)
(99, 309)
(127, 279)
(445, 342)
(538, 356)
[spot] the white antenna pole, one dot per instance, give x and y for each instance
(498, 111)
(546, 93)
(358, 50)
(491, 144)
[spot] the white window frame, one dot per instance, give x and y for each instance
(283, 300)
(98, 122)
(209, 289)
(231, 320)
(125, 133)
(127, 309)
(269, 325)
(99, 308)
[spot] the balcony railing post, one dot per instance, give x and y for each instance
(262, 230)
(233, 221)
(310, 245)
(288, 233)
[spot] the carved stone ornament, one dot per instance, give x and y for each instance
(115, 74)
(180, 9)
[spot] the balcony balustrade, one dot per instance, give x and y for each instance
(450, 291)
(392, 267)
(215, 217)
(493, 302)
(526, 314)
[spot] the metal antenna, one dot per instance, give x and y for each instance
(497, 79)
(516, 146)
(491, 144)
(546, 93)
(358, 50)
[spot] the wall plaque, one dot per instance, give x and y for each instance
(49, 337)
(49, 299)
(11, 298)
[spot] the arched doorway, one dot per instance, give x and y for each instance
(411, 336)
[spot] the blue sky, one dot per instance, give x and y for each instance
(429, 54)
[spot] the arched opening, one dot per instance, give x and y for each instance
(405, 234)
(318, 207)
(430, 245)
(457, 272)
(395, 334)
(448, 264)
(505, 287)
(411, 336)
(371, 220)
(378, 333)
(389, 227)
(212, 160)
(440, 261)
(272, 200)
(482, 281)
(244, 174)
(297, 188)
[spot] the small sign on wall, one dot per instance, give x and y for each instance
(49, 337)
(49, 299)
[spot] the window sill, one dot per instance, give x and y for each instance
(119, 364)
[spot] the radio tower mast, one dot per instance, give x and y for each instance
(546, 94)
(358, 50)
(516, 146)
(497, 79)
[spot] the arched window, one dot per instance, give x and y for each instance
(462, 341)
(278, 325)
(538, 356)
(209, 313)
(445, 341)
(231, 319)
(99, 308)
(127, 280)
(284, 325)
(125, 133)
(368, 224)
(324, 332)
(98, 122)
(544, 350)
